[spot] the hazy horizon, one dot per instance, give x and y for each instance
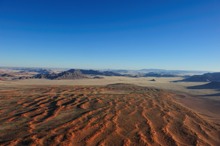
(138, 69)
(171, 35)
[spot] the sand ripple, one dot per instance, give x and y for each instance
(116, 115)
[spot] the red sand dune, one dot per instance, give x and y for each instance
(110, 115)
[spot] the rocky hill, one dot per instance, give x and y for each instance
(75, 74)
(96, 72)
(70, 74)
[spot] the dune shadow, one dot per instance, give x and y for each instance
(217, 94)
(211, 85)
(176, 81)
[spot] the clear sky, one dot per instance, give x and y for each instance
(111, 34)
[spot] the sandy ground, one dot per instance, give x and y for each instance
(91, 112)
(161, 83)
(109, 115)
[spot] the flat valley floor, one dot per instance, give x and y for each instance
(116, 114)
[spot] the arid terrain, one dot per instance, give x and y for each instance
(109, 73)
(78, 112)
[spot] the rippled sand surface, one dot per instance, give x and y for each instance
(117, 114)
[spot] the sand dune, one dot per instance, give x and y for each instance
(117, 114)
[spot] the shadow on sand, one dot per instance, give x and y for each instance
(211, 85)
(217, 94)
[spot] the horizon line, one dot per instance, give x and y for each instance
(108, 68)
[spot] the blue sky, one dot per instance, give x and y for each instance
(111, 34)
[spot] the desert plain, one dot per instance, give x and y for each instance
(113, 111)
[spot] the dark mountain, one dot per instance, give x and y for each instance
(75, 74)
(208, 77)
(153, 74)
(96, 72)
(50, 76)
(87, 72)
(109, 73)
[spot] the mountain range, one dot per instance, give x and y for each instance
(76, 74)
(207, 77)
(50, 73)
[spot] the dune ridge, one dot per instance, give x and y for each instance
(118, 114)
